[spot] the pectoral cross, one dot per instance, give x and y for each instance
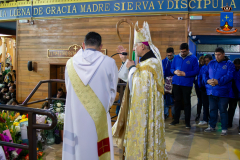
(226, 17)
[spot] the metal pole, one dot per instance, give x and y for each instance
(49, 93)
(32, 137)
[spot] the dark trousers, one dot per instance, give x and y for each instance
(221, 104)
(231, 110)
(185, 93)
(200, 102)
(205, 102)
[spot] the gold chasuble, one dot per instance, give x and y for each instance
(95, 109)
(140, 126)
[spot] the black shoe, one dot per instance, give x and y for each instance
(198, 117)
(173, 123)
(165, 116)
(188, 126)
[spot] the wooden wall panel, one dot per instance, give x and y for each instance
(34, 40)
(209, 23)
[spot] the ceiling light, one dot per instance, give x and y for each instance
(4, 35)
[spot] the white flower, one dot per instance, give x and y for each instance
(14, 154)
(18, 118)
(17, 128)
(58, 109)
(59, 104)
(49, 121)
(61, 118)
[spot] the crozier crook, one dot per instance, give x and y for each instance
(131, 34)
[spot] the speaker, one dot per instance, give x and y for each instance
(30, 67)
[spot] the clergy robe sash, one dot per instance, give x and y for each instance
(95, 108)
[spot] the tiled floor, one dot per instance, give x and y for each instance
(183, 144)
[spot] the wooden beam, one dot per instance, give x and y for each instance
(7, 31)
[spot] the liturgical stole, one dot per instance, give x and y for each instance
(95, 108)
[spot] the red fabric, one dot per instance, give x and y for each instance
(103, 146)
(145, 43)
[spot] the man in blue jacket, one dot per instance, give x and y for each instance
(168, 98)
(185, 68)
(217, 78)
(234, 96)
(204, 96)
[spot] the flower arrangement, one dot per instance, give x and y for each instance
(58, 107)
(60, 122)
(39, 156)
(10, 131)
(10, 121)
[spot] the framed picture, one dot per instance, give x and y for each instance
(104, 51)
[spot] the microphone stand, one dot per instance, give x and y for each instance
(123, 53)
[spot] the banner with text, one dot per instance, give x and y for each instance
(114, 7)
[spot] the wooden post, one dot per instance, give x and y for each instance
(3, 53)
(14, 55)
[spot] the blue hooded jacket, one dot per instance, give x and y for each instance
(167, 67)
(235, 90)
(200, 81)
(189, 65)
(223, 72)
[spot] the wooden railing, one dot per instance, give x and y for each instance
(32, 126)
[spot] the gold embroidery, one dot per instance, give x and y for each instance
(140, 124)
(119, 128)
(92, 104)
(150, 69)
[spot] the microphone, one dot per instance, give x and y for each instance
(123, 53)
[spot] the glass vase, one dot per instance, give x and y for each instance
(50, 137)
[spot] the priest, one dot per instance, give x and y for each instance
(91, 83)
(140, 125)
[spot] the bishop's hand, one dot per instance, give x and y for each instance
(129, 64)
(121, 49)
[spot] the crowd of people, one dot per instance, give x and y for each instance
(8, 93)
(217, 85)
(91, 83)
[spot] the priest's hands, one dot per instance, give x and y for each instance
(121, 49)
(179, 73)
(129, 64)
